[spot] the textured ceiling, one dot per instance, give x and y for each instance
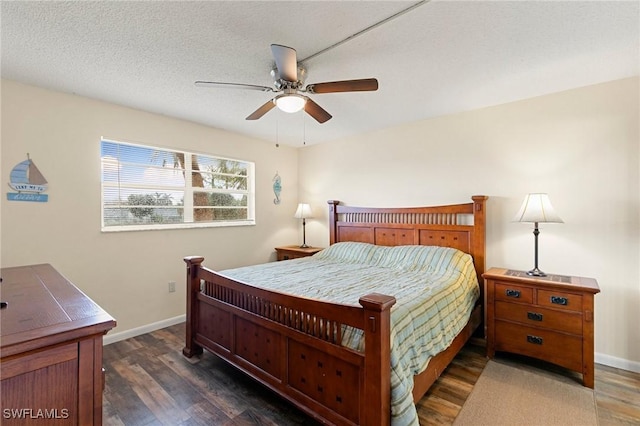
(440, 58)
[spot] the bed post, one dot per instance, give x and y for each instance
(478, 249)
(375, 397)
(479, 221)
(193, 288)
(333, 220)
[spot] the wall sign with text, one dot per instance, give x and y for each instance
(28, 181)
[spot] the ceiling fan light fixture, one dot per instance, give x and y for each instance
(290, 102)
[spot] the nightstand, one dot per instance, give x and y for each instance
(294, 252)
(549, 318)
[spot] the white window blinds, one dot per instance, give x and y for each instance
(146, 187)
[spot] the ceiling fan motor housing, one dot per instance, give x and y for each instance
(282, 84)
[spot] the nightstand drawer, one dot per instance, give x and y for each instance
(290, 255)
(537, 316)
(514, 293)
(560, 300)
(559, 348)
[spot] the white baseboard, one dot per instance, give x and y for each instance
(612, 361)
(133, 332)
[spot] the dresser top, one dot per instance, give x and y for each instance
(565, 282)
(44, 307)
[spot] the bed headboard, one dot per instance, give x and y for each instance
(460, 226)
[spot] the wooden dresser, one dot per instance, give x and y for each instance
(294, 252)
(549, 318)
(50, 350)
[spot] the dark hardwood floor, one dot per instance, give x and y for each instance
(149, 382)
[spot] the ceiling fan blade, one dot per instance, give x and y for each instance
(363, 85)
(216, 84)
(286, 61)
(316, 111)
(265, 108)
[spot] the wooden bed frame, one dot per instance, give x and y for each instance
(292, 344)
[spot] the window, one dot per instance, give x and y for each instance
(146, 187)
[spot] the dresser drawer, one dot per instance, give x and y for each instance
(560, 300)
(536, 316)
(513, 293)
(559, 348)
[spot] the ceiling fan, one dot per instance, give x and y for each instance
(288, 78)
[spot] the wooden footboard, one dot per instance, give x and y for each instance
(292, 345)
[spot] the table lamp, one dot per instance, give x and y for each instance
(303, 212)
(536, 208)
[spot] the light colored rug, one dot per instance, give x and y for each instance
(507, 394)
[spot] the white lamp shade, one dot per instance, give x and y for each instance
(537, 208)
(290, 102)
(303, 211)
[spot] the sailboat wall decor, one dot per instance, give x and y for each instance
(28, 181)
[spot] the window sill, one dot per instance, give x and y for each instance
(128, 228)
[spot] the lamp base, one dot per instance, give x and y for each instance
(305, 246)
(535, 272)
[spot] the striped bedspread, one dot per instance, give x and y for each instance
(435, 288)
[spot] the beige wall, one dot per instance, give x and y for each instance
(580, 146)
(127, 273)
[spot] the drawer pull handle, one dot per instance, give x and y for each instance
(512, 293)
(534, 316)
(534, 339)
(559, 300)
